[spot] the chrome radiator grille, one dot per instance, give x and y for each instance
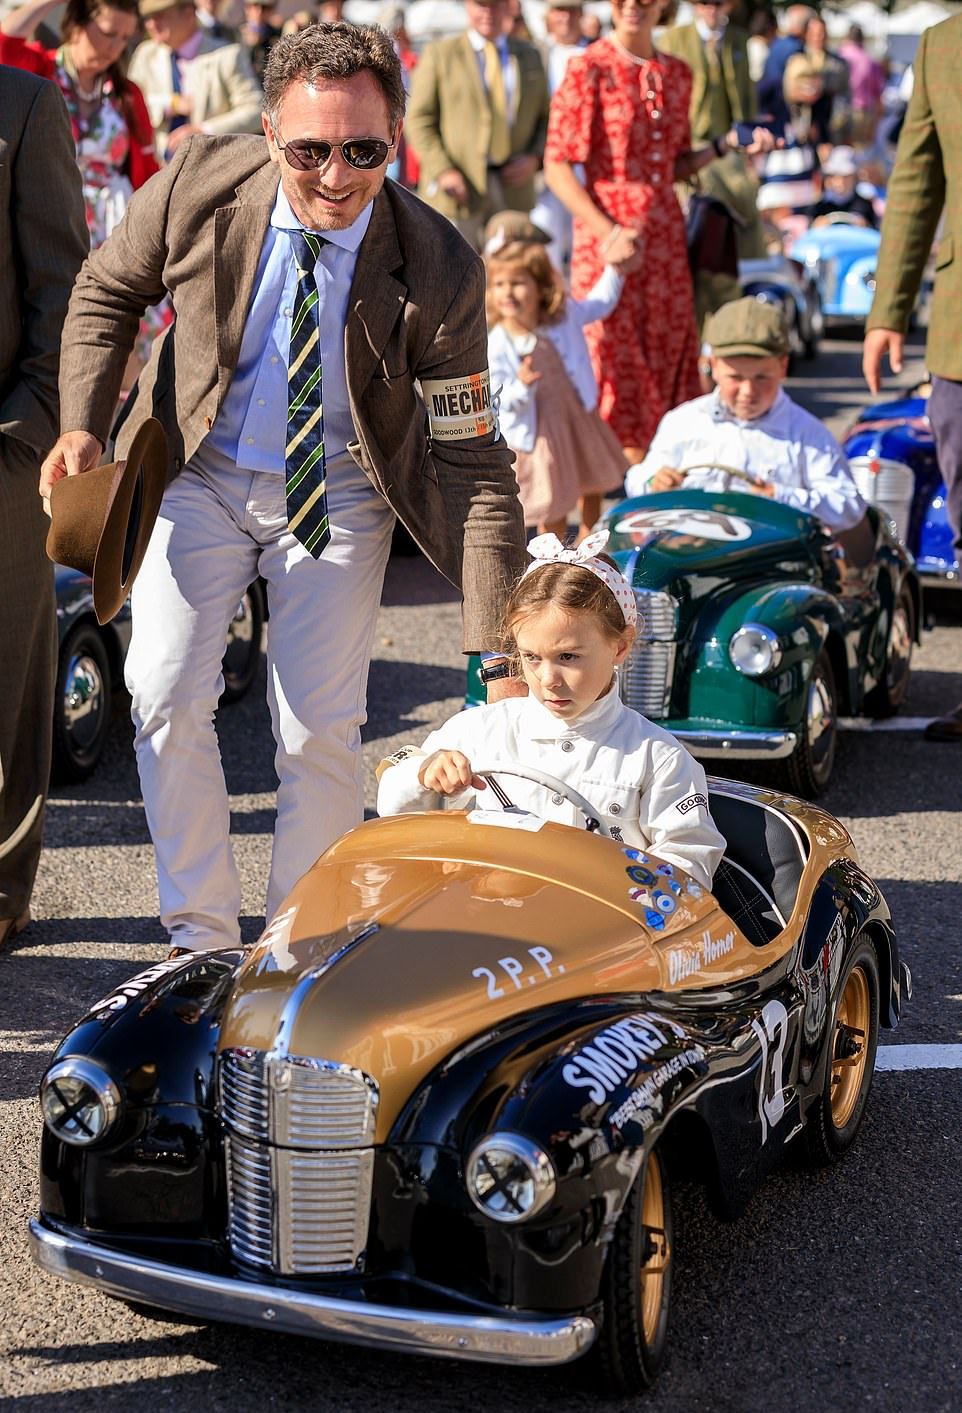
(647, 675)
(888, 484)
(298, 1213)
(300, 1160)
(251, 1188)
(297, 1102)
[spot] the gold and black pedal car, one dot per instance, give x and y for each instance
(438, 1107)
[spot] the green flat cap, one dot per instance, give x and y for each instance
(747, 326)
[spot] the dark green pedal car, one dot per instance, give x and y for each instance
(758, 630)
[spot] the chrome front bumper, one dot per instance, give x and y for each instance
(220, 1298)
(738, 745)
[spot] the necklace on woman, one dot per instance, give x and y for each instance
(630, 54)
(94, 95)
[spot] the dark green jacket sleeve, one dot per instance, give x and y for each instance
(914, 202)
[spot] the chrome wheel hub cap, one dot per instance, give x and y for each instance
(83, 700)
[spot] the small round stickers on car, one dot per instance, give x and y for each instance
(657, 888)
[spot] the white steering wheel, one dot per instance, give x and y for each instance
(593, 821)
(718, 466)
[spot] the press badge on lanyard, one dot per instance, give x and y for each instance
(459, 408)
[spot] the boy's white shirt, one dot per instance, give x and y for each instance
(517, 413)
(638, 777)
(787, 446)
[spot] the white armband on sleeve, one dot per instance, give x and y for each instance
(399, 791)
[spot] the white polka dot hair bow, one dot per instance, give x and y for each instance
(548, 549)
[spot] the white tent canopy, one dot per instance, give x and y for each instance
(917, 18)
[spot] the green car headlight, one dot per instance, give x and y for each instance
(80, 1102)
(755, 650)
(509, 1178)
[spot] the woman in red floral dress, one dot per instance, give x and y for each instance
(108, 115)
(622, 112)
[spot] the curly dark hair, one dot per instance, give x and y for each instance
(334, 51)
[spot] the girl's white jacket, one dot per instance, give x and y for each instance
(642, 783)
(514, 400)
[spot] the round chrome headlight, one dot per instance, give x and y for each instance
(80, 1102)
(509, 1178)
(755, 650)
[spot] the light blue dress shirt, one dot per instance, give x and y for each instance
(251, 428)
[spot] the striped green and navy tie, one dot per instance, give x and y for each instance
(304, 457)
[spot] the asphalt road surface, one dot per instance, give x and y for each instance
(838, 1290)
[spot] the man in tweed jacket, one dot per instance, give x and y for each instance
(408, 431)
(43, 240)
(926, 181)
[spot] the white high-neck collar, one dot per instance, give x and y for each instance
(543, 725)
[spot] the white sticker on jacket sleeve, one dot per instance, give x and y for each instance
(459, 408)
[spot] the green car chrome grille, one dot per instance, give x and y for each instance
(647, 676)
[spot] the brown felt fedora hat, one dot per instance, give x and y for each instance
(100, 521)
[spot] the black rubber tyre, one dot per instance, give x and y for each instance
(636, 1286)
(81, 705)
(243, 653)
(816, 324)
(834, 1121)
(808, 769)
(888, 695)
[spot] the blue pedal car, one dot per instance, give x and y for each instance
(842, 259)
(891, 451)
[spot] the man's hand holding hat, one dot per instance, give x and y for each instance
(101, 527)
(71, 455)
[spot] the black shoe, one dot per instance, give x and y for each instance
(946, 728)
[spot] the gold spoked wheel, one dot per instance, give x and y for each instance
(849, 1048)
(850, 1041)
(656, 1249)
(636, 1285)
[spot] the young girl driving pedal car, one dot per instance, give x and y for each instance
(569, 624)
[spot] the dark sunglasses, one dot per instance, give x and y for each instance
(364, 153)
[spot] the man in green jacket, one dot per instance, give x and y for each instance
(478, 119)
(722, 94)
(927, 180)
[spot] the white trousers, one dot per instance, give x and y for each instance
(216, 532)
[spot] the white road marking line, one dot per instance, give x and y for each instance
(891, 723)
(918, 1057)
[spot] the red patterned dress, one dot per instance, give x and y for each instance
(626, 120)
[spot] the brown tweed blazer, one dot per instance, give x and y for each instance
(43, 240)
(416, 311)
(927, 178)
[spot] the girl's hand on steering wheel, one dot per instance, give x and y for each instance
(448, 773)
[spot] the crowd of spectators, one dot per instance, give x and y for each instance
(574, 159)
(600, 138)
